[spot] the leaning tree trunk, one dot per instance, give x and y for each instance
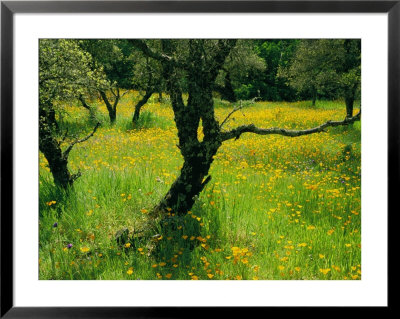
(57, 164)
(198, 155)
(183, 192)
(51, 149)
(140, 104)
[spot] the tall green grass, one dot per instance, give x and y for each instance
(276, 208)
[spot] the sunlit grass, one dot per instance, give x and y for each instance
(276, 207)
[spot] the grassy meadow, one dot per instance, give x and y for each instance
(276, 208)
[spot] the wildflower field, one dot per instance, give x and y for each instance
(276, 208)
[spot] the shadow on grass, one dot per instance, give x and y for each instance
(52, 197)
(179, 241)
(82, 126)
(147, 120)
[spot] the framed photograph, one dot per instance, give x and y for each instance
(158, 156)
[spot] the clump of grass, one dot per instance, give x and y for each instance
(147, 120)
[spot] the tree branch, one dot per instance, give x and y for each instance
(69, 148)
(116, 99)
(113, 93)
(237, 132)
(235, 109)
(84, 104)
(239, 107)
(106, 100)
(126, 92)
(162, 57)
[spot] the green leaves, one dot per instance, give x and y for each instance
(326, 66)
(66, 71)
(115, 58)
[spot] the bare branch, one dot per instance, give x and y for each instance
(235, 109)
(69, 148)
(123, 94)
(237, 132)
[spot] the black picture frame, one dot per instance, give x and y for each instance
(9, 8)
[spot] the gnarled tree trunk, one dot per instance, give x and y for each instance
(198, 155)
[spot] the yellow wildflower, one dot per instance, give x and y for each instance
(325, 271)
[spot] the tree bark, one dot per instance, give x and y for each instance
(51, 149)
(349, 105)
(182, 194)
(140, 104)
(350, 94)
(88, 107)
(314, 98)
(226, 91)
(57, 164)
